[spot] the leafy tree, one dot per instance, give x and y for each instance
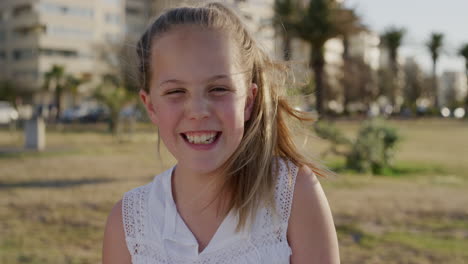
(115, 96)
(7, 91)
(320, 21)
(349, 63)
(414, 84)
(434, 45)
(285, 15)
(119, 59)
(119, 86)
(358, 84)
(54, 81)
(464, 53)
(372, 150)
(392, 39)
(73, 83)
(58, 81)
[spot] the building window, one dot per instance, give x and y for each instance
(63, 31)
(25, 31)
(51, 8)
(55, 52)
(112, 37)
(26, 74)
(132, 11)
(2, 55)
(82, 12)
(58, 9)
(23, 54)
(22, 10)
(113, 19)
(112, 2)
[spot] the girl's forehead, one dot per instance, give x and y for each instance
(194, 53)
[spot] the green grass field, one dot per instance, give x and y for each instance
(53, 205)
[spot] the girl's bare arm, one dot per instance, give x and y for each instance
(311, 231)
(114, 250)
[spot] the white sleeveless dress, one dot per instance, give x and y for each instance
(155, 232)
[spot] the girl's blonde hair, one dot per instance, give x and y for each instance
(251, 172)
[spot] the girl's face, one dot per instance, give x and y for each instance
(198, 97)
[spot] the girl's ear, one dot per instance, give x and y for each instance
(249, 104)
(146, 100)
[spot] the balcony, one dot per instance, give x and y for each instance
(24, 20)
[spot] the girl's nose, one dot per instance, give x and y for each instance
(198, 108)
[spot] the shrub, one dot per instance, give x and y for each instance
(373, 149)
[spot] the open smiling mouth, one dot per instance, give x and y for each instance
(204, 138)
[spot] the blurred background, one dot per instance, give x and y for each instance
(387, 81)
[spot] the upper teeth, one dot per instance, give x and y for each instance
(205, 138)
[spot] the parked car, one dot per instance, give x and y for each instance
(131, 111)
(8, 113)
(97, 114)
(85, 113)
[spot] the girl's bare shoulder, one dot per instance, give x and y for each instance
(114, 247)
(311, 231)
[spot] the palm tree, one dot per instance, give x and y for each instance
(8, 91)
(434, 46)
(285, 15)
(58, 81)
(392, 39)
(350, 25)
(464, 53)
(72, 84)
(319, 22)
(115, 96)
(54, 81)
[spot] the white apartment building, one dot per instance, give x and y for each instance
(258, 18)
(366, 45)
(452, 87)
(256, 14)
(36, 34)
(138, 15)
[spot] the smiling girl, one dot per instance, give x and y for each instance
(240, 192)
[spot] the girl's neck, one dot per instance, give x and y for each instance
(196, 191)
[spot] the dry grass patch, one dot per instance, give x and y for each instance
(53, 205)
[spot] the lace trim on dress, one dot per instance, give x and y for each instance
(133, 213)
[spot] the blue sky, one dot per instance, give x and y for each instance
(420, 18)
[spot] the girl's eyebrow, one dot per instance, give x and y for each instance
(214, 78)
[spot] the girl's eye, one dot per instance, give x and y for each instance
(175, 91)
(219, 89)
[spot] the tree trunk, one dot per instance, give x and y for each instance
(394, 87)
(466, 97)
(346, 72)
(114, 124)
(286, 47)
(434, 85)
(58, 103)
(317, 63)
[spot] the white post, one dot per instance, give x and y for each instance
(35, 134)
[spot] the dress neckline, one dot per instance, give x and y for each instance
(177, 234)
